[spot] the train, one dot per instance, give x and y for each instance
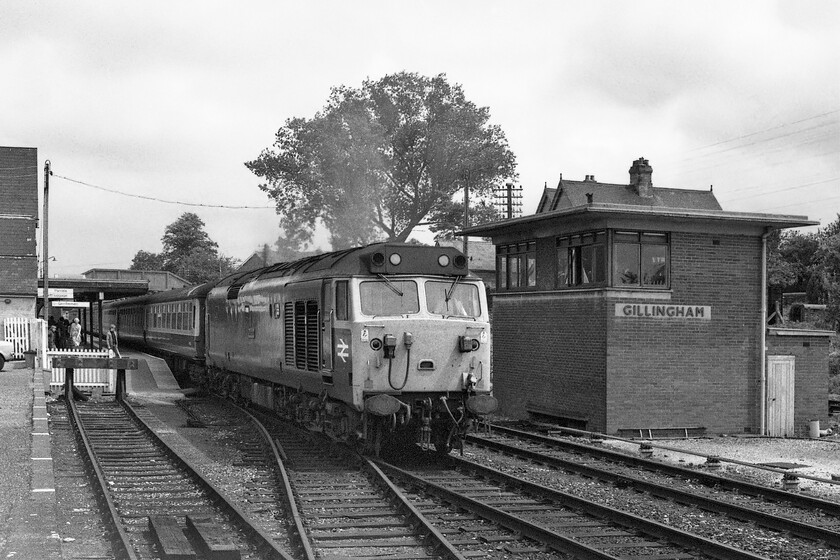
(389, 342)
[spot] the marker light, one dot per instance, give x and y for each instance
(460, 261)
(395, 259)
(443, 260)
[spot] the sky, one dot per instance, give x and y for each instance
(147, 110)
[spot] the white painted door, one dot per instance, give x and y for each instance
(780, 383)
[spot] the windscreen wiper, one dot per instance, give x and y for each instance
(391, 285)
(451, 289)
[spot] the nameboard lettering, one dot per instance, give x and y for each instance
(659, 311)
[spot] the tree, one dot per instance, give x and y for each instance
(183, 237)
(188, 252)
(380, 159)
(449, 218)
(144, 260)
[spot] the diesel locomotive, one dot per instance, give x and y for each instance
(387, 342)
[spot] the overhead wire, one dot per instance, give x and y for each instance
(155, 199)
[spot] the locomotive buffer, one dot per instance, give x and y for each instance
(70, 363)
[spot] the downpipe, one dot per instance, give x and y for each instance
(763, 332)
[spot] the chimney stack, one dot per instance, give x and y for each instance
(640, 177)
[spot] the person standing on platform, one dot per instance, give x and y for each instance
(113, 342)
(51, 334)
(75, 334)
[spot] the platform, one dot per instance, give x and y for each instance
(28, 516)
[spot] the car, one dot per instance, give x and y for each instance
(6, 352)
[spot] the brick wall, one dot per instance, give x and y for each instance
(568, 354)
(18, 219)
(684, 373)
(810, 377)
(549, 353)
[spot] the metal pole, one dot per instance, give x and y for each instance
(45, 243)
(467, 213)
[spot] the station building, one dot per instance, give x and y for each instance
(639, 310)
(18, 223)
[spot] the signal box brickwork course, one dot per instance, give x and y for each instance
(578, 341)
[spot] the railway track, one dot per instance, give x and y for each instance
(765, 506)
(815, 520)
(525, 518)
(159, 508)
(347, 505)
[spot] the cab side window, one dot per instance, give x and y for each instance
(342, 301)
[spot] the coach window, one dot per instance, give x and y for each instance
(341, 301)
(517, 266)
(581, 260)
(640, 259)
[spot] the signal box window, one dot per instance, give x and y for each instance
(389, 298)
(640, 259)
(581, 260)
(342, 301)
(517, 266)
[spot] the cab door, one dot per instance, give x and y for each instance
(327, 319)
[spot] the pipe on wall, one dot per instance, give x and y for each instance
(763, 332)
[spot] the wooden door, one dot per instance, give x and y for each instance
(780, 382)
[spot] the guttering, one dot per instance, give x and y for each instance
(763, 332)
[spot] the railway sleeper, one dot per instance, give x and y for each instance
(201, 534)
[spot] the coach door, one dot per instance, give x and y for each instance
(780, 383)
(327, 318)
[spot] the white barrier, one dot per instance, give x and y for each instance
(16, 331)
(86, 377)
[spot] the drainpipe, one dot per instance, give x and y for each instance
(763, 331)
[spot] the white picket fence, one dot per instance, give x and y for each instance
(16, 331)
(82, 377)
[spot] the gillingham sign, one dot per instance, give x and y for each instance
(658, 311)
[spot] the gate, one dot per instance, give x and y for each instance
(780, 383)
(16, 331)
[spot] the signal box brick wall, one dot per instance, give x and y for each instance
(566, 354)
(667, 372)
(811, 350)
(551, 353)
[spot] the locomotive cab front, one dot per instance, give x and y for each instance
(421, 340)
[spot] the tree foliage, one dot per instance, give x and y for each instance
(379, 159)
(144, 260)
(449, 218)
(188, 252)
(808, 262)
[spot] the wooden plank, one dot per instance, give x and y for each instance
(93, 363)
(208, 537)
(171, 540)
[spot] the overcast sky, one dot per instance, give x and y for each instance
(166, 100)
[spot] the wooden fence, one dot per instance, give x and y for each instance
(16, 331)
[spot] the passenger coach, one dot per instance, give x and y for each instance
(172, 321)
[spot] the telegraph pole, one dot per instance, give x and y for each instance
(45, 243)
(467, 212)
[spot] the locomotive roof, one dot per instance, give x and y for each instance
(413, 259)
(190, 292)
